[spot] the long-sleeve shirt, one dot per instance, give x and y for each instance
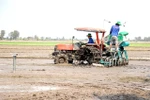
(91, 40)
(114, 30)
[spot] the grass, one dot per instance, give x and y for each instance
(52, 43)
(140, 44)
(33, 43)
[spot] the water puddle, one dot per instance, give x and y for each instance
(20, 88)
(44, 88)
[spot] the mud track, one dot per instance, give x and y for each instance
(40, 79)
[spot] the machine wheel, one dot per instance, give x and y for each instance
(127, 62)
(76, 63)
(113, 62)
(55, 61)
(106, 60)
(123, 61)
(70, 61)
(61, 58)
(118, 62)
(110, 62)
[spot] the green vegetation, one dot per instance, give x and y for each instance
(33, 43)
(140, 44)
(52, 43)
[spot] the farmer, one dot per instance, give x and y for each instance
(114, 34)
(90, 38)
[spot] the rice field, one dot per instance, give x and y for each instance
(52, 43)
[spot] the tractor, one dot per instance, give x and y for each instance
(84, 53)
(90, 53)
(80, 52)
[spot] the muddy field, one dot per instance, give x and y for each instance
(37, 78)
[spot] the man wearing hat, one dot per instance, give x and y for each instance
(90, 38)
(114, 34)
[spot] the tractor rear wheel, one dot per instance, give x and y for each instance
(61, 58)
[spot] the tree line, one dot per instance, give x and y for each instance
(14, 35)
(139, 38)
(11, 36)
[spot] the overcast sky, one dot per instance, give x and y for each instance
(58, 18)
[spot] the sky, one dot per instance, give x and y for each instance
(58, 18)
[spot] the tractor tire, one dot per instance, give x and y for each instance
(55, 61)
(70, 61)
(127, 62)
(107, 60)
(119, 62)
(61, 58)
(110, 62)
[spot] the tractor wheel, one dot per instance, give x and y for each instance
(107, 62)
(76, 63)
(127, 62)
(113, 62)
(61, 58)
(56, 61)
(110, 62)
(118, 62)
(123, 61)
(70, 61)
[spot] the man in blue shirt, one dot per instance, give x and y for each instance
(114, 34)
(90, 38)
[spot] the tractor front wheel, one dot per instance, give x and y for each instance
(61, 58)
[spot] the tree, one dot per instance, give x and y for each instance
(36, 37)
(63, 38)
(138, 38)
(10, 35)
(14, 35)
(48, 38)
(20, 38)
(2, 34)
(146, 39)
(42, 38)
